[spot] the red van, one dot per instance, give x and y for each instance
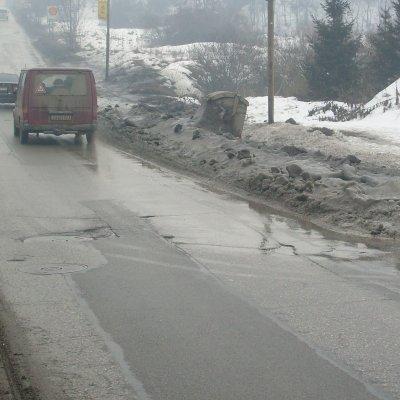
(56, 101)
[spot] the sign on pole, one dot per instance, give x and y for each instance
(102, 10)
(52, 13)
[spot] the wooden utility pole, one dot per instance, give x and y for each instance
(108, 41)
(271, 61)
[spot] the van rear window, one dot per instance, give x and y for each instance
(60, 84)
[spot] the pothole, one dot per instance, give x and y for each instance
(53, 269)
(81, 236)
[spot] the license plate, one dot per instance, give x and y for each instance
(60, 117)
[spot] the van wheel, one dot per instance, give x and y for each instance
(16, 130)
(23, 136)
(90, 137)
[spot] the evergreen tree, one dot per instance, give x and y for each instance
(385, 57)
(332, 72)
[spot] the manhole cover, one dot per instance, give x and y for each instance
(55, 269)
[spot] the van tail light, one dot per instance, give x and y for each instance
(25, 113)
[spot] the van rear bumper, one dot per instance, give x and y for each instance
(60, 129)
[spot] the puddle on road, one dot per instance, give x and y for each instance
(53, 269)
(80, 236)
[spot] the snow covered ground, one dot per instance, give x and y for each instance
(384, 120)
(130, 48)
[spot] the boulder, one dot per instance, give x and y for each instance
(293, 150)
(294, 170)
(291, 121)
(196, 135)
(243, 154)
(178, 128)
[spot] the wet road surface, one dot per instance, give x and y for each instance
(121, 280)
(179, 292)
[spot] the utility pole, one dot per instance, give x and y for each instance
(271, 61)
(108, 41)
(71, 43)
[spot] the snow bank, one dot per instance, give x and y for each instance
(381, 123)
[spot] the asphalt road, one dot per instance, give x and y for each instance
(122, 280)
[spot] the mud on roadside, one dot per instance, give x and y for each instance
(319, 184)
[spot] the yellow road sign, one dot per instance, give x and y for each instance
(102, 9)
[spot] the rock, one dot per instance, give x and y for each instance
(275, 170)
(378, 230)
(231, 155)
(302, 197)
(352, 160)
(315, 177)
(327, 131)
(213, 162)
(348, 173)
(266, 184)
(294, 170)
(293, 150)
(306, 176)
(166, 117)
(323, 130)
(309, 186)
(246, 162)
(229, 136)
(281, 180)
(243, 154)
(129, 122)
(368, 180)
(178, 128)
(255, 183)
(292, 121)
(196, 135)
(116, 106)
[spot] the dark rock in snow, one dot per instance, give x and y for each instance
(294, 170)
(231, 155)
(327, 131)
(293, 150)
(281, 180)
(275, 170)
(315, 177)
(213, 162)
(378, 230)
(352, 160)
(323, 130)
(368, 180)
(129, 122)
(229, 136)
(255, 183)
(302, 197)
(196, 135)
(246, 162)
(292, 121)
(178, 128)
(244, 153)
(306, 176)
